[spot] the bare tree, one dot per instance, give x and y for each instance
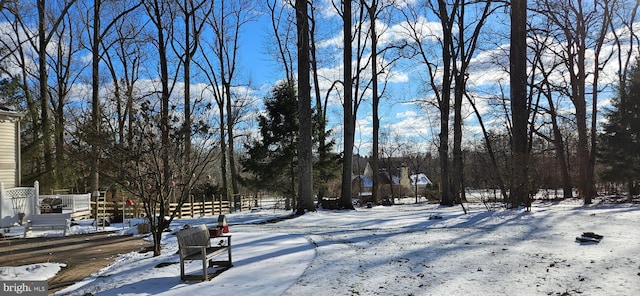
(469, 29)
(156, 203)
(49, 19)
(544, 67)
(456, 44)
(123, 53)
(194, 14)
(97, 34)
(283, 33)
(582, 27)
(17, 53)
(66, 70)
(625, 37)
(377, 13)
(220, 70)
(144, 174)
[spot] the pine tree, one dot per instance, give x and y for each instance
(272, 160)
(620, 140)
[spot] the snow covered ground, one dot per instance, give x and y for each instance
(410, 249)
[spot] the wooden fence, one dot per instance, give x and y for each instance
(199, 209)
(103, 209)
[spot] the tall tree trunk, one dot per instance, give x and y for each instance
(230, 142)
(458, 92)
(305, 144)
(561, 156)
(349, 116)
(226, 99)
(95, 97)
(186, 129)
(579, 100)
(31, 103)
(519, 193)
(458, 172)
(444, 106)
(321, 111)
(45, 124)
(606, 22)
(223, 146)
(375, 153)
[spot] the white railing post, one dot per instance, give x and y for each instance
(36, 196)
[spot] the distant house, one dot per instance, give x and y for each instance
(363, 183)
(9, 147)
(419, 181)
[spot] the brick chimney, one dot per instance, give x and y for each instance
(404, 176)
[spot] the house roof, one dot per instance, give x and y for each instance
(6, 113)
(422, 179)
(385, 178)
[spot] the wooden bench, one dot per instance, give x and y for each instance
(195, 244)
(49, 222)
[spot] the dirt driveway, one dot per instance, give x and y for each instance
(84, 254)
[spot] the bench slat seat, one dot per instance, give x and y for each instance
(195, 244)
(209, 253)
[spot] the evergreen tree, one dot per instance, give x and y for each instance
(11, 94)
(327, 164)
(620, 140)
(272, 160)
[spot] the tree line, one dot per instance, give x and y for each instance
(152, 98)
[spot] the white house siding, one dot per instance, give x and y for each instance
(8, 153)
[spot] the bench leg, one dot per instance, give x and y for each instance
(181, 269)
(27, 229)
(204, 269)
(67, 227)
(229, 250)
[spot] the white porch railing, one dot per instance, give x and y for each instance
(18, 204)
(70, 202)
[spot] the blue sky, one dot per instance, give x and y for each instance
(394, 112)
(401, 118)
(407, 111)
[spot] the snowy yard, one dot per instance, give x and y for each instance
(408, 249)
